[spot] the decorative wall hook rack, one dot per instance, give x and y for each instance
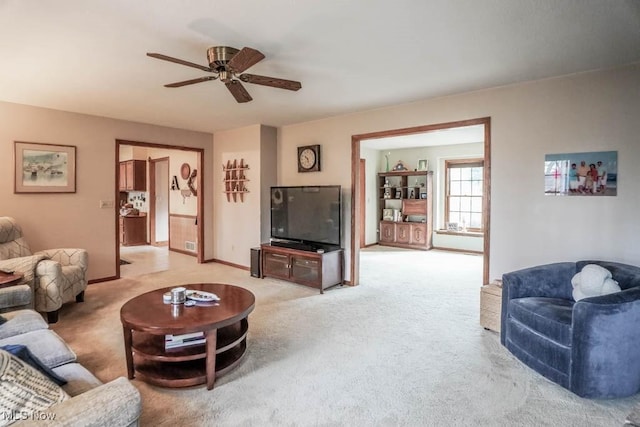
(235, 180)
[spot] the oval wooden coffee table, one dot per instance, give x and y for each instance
(146, 319)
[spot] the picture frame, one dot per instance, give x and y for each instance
(423, 165)
(423, 195)
(452, 226)
(44, 168)
(387, 214)
(590, 174)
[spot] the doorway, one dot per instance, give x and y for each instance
(357, 194)
(159, 201)
(172, 226)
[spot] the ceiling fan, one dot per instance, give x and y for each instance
(228, 64)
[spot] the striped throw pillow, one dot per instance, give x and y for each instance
(24, 391)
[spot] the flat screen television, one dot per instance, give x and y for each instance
(310, 215)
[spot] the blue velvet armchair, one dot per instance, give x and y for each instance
(591, 347)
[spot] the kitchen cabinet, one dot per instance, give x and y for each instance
(133, 230)
(133, 175)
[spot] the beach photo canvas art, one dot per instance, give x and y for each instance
(581, 174)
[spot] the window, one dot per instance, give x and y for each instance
(463, 200)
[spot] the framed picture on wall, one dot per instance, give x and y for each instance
(581, 174)
(44, 168)
(423, 165)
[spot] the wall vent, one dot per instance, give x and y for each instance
(190, 246)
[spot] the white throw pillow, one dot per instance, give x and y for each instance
(592, 281)
(24, 390)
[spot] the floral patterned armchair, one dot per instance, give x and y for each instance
(54, 276)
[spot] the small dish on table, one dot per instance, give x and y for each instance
(202, 296)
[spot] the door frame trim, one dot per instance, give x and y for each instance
(355, 186)
(362, 239)
(199, 185)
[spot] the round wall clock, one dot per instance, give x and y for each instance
(309, 158)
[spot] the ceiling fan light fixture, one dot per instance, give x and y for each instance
(225, 76)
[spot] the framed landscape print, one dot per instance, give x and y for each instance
(44, 168)
(581, 174)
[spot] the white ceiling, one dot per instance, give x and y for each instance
(350, 55)
(451, 136)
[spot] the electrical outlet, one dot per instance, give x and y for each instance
(106, 204)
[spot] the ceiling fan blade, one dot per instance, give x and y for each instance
(179, 61)
(192, 81)
(238, 91)
(244, 59)
(270, 81)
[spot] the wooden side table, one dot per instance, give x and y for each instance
(7, 280)
(491, 305)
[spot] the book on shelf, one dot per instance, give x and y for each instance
(181, 337)
(168, 345)
(184, 340)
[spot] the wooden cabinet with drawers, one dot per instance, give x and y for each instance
(406, 209)
(404, 234)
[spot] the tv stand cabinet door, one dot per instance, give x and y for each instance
(306, 270)
(276, 264)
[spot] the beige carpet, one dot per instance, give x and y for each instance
(404, 348)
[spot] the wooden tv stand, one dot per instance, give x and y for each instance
(318, 270)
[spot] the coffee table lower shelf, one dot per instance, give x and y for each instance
(187, 366)
(186, 373)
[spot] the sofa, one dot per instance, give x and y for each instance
(82, 401)
(589, 346)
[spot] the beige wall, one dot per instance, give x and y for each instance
(587, 112)
(268, 177)
(178, 204)
(239, 225)
(76, 220)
